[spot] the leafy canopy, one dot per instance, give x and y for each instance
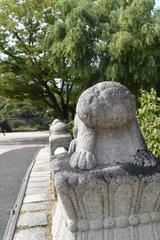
(53, 49)
(103, 40)
(25, 68)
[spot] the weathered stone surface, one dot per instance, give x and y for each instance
(41, 168)
(37, 198)
(57, 127)
(38, 184)
(36, 233)
(39, 179)
(38, 190)
(39, 174)
(106, 129)
(59, 137)
(108, 186)
(62, 140)
(42, 161)
(32, 219)
(41, 164)
(35, 206)
(60, 150)
(106, 202)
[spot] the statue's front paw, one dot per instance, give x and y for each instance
(83, 160)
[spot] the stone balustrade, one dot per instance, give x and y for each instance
(59, 136)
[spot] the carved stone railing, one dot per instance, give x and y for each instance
(59, 136)
(108, 185)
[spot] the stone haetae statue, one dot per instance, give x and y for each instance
(108, 185)
(106, 129)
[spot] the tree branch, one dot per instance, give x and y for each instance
(53, 98)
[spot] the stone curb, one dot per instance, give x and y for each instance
(35, 217)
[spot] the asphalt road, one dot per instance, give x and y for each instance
(12, 141)
(13, 166)
(16, 154)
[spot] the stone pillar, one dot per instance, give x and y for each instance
(59, 136)
(108, 185)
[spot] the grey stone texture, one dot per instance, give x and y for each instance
(38, 184)
(32, 219)
(36, 233)
(37, 198)
(40, 174)
(106, 204)
(39, 179)
(38, 190)
(41, 168)
(59, 137)
(35, 206)
(108, 185)
(106, 129)
(57, 127)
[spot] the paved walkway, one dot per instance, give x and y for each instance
(35, 217)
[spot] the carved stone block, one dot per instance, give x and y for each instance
(113, 203)
(59, 136)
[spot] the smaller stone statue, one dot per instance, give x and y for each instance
(59, 136)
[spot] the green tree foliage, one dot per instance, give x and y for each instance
(101, 40)
(7, 108)
(53, 49)
(25, 115)
(25, 68)
(149, 118)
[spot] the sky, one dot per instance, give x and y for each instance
(157, 3)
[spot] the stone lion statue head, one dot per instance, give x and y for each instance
(106, 105)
